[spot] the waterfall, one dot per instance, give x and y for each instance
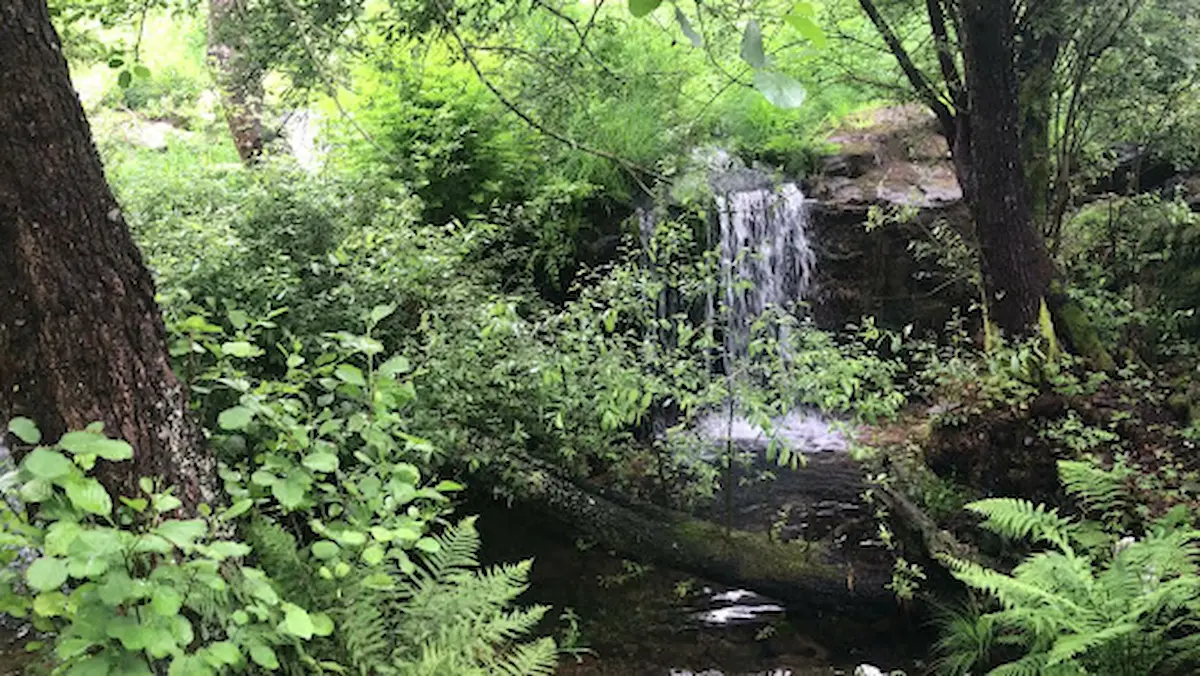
(767, 260)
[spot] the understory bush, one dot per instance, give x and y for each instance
(336, 553)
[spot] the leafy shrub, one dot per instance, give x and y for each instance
(126, 588)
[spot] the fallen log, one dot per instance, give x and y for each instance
(807, 574)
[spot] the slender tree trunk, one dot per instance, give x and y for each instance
(238, 78)
(1017, 269)
(81, 338)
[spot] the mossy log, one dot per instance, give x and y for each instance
(804, 574)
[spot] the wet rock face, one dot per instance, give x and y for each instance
(892, 160)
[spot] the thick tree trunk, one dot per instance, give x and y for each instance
(1017, 269)
(238, 78)
(81, 338)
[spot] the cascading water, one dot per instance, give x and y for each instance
(766, 258)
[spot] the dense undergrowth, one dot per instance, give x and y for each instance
(453, 289)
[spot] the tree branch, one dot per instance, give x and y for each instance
(915, 77)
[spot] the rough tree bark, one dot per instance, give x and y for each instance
(238, 78)
(1017, 269)
(81, 338)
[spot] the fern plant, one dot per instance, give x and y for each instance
(445, 617)
(1094, 601)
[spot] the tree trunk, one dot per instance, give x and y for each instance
(81, 338)
(238, 78)
(1017, 269)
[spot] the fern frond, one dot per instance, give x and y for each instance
(539, 658)
(1099, 489)
(1016, 519)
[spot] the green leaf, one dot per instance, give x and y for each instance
(223, 549)
(381, 312)
(781, 90)
(321, 462)
(428, 545)
(641, 8)
(324, 549)
(352, 538)
(348, 373)
(124, 79)
(289, 492)
(447, 486)
(297, 622)
(223, 653)
(235, 418)
(166, 503)
(238, 318)
(116, 588)
(373, 555)
(46, 464)
(686, 27)
(807, 28)
(752, 46)
(25, 430)
(394, 366)
(47, 573)
(240, 349)
(237, 509)
(322, 624)
(90, 496)
(182, 534)
(166, 601)
(264, 657)
(91, 443)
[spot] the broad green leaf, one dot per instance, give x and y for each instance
(59, 537)
(324, 549)
(90, 496)
(321, 462)
(322, 624)
(352, 538)
(686, 27)
(96, 665)
(25, 430)
(237, 509)
(182, 534)
(124, 79)
(752, 46)
(782, 91)
(394, 366)
(373, 555)
(428, 545)
(166, 601)
(235, 418)
(446, 486)
(166, 503)
(381, 312)
(240, 349)
(807, 28)
(46, 464)
(239, 319)
(640, 8)
(116, 588)
(264, 657)
(223, 653)
(351, 374)
(297, 622)
(223, 549)
(47, 573)
(289, 492)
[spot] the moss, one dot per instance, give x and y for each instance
(1078, 331)
(756, 556)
